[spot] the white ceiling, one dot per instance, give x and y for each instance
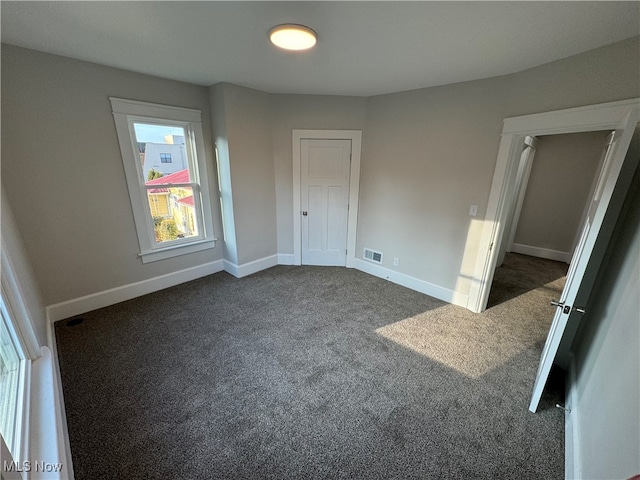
(364, 48)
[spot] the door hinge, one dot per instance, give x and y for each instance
(491, 246)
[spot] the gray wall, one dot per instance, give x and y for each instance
(63, 172)
(606, 406)
(253, 132)
(309, 112)
(248, 134)
(429, 154)
(605, 74)
(562, 173)
(13, 247)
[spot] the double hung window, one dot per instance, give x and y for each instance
(170, 199)
(13, 377)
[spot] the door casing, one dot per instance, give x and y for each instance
(605, 116)
(354, 185)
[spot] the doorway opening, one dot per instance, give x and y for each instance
(556, 179)
(601, 215)
(620, 116)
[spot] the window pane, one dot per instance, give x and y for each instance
(10, 367)
(162, 149)
(164, 161)
(174, 213)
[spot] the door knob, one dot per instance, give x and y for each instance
(304, 213)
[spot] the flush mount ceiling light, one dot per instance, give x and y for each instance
(292, 37)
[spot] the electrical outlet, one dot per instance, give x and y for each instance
(396, 262)
(473, 210)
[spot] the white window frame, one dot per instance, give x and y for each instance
(128, 112)
(20, 435)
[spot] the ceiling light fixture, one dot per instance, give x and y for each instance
(292, 37)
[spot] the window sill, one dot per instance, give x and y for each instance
(47, 436)
(176, 250)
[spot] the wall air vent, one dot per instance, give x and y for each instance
(372, 255)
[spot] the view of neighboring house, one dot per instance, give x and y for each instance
(166, 158)
(173, 203)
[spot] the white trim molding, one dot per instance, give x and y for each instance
(126, 114)
(436, 291)
(354, 186)
(541, 252)
(77, 306)
(15, 299)
(47, 417)
(286, 259)
(250, 268)
(64, 445)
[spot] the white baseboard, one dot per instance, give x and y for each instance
(286, 259)
(231, 268)
(541, 252)
(115, 295)
(77, 306)
(571, 427)
(249, 268)
(413, 283)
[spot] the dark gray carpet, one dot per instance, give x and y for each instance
(307, 372)
(520, 274)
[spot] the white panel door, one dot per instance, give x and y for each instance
(588, 255)
(324, 182)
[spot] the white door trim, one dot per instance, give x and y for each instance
(354, 185)
(522, 182)
(605, 116)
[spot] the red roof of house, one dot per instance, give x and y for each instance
(178, 177)
(181, 176)
(186, 200)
